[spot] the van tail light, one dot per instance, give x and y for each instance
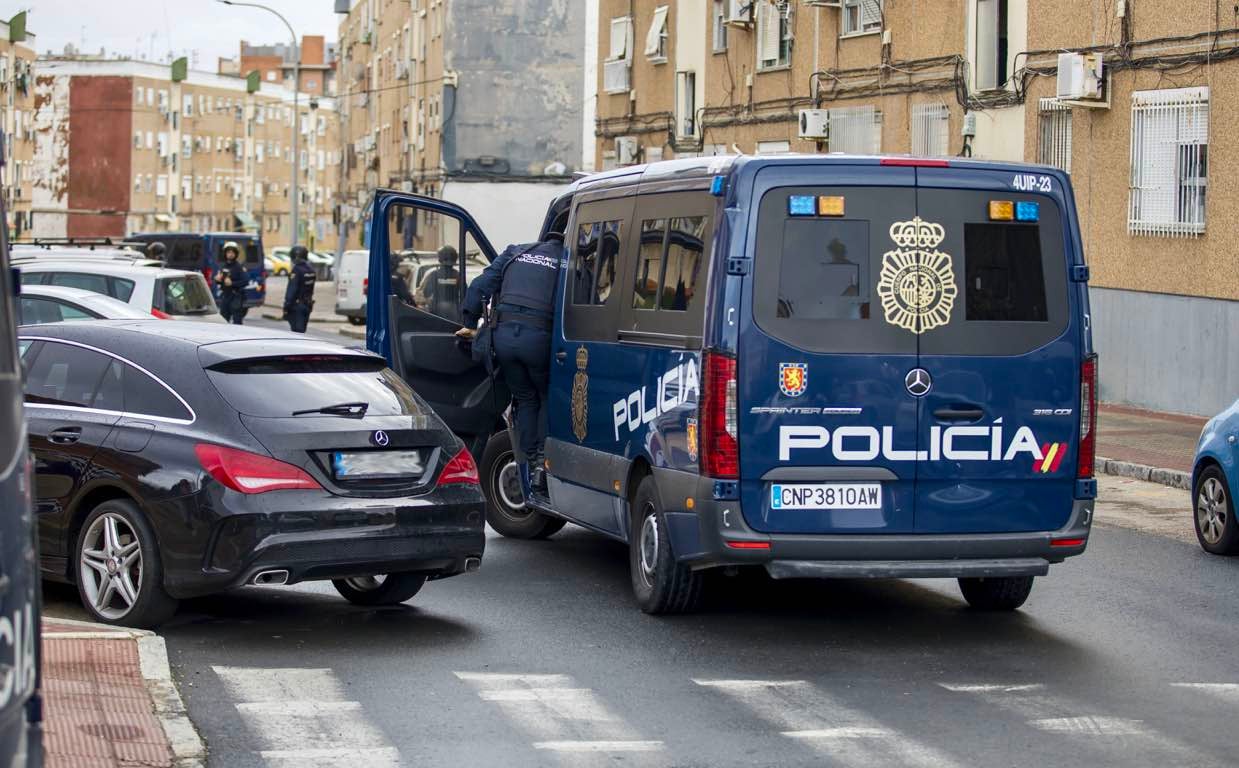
(208, 273)
(460, 469)
(1088, 417)
(720, 434)
(365, 286)
(251, 473)
(160, 314)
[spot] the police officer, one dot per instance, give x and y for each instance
(522, 282)
(157, 251)
(399, 283)
(232, 279)
(299, 296)
(440, 288)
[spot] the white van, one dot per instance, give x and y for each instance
(352, 280)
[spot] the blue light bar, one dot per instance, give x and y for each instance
(718, 186)
(1025, 211)
(802, 205)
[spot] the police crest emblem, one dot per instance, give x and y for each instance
(580, 396)
(793, 378)
(917, 283)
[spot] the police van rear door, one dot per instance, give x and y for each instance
(1001, 347)
(828, 433)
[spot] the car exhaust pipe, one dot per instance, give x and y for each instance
(472, 564)
(270, 578)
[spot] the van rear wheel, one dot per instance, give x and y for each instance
(1005, 593)
(506, 510)
(660, 584)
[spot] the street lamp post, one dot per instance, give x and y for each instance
(296, 191)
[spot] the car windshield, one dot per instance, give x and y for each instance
(277, 387)
(185, 295)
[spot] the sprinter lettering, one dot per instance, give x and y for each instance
(961, 443)
(674, 388)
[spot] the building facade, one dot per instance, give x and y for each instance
(275, 64)
(120, 148)
(449, 97)
(980, 78)
(16, 120)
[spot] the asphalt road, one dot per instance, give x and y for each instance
(1124, 657)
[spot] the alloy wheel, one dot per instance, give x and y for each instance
(1211, 510)
(649, 544)
(110, 566)
(506, 485)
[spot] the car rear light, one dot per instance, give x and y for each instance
(365, 287)
(1088, 417)
(749, 544)
(720, 446)
(207, 273)
(460, 469)
(914, 162)
(247, 472)
(1066, 542)
(160, 314)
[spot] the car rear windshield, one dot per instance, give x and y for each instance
(185, 295)
(904, 270)
(281, 386)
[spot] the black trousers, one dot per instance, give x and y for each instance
(524, 355)
(298, 317)
(232, 306)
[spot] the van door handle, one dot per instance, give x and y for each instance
(561, 356)
(65, 435)
(959, 414)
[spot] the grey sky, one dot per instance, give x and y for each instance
(143, 27)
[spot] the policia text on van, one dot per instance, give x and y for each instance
(822, 365)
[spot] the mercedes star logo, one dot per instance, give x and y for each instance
(381, 439)
(918, 382)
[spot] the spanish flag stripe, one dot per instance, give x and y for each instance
(1049, 457)
(1058, 458)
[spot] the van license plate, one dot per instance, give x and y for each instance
(826, 496)
(375, 465)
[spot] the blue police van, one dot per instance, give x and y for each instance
(205, 252)
(823, 365)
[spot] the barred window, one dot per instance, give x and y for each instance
(1054, 134)
(931, 125)
(1169, 162)
(856, 130)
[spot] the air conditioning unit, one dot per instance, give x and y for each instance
(1081, 80)
(740, 12)
(626, 150)
(815, 124)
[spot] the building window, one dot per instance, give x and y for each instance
(774, 35)
(774, 147)
(161, 186)
(862, 17)
(720, 26)
(1054, 134)
(686, 103)
(138, 93)
(991, 44)
(271, 75)
(856, 130)
(656, 38)
(1169, 162)
(187, 105)
(615, 70)
(137, 140)
(931, 130)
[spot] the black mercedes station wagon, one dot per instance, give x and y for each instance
(178, 459)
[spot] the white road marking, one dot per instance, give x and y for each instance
(849, 737)
(560, 717)
(1228, 691)
(1064, 716)
(303, 718)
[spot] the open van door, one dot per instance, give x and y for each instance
(424, 253)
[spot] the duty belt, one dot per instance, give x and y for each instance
(513, 313)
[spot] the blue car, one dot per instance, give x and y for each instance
(823, 366)
(205, 252)
(1215, 481)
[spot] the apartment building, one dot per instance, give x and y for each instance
(276, 63)
(122, 148)
(16, 110)
(476, 101)
(980, 78)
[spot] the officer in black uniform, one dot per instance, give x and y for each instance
(440, 288)
(232, 279)
(157, 251)
(522, 281)
(299, 296)
(399, 284)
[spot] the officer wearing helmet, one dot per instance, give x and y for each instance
(299, 296)
(439, 291)
(521, 283)
(231, 279)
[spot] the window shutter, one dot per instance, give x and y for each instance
(870, 13)
(768, 31)
(621, 30)
(654, 39)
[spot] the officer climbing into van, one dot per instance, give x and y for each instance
(231, 280)
(299, 296)
(522, 282)
(439, 290)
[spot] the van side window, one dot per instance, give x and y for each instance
(649, 263)
(593, 263)
(685, 259)
(672, 264)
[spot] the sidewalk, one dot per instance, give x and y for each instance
(324, 301)
(1158, 447)
(110, 701)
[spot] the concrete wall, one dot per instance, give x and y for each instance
(510, 212)
(520, 82)
(1166, 353)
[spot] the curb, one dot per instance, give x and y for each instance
(188, 749)
(1168, 477)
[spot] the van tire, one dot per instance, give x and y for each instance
(507, 520)
(391, 589)
(1213, 513)
(153, 605)
(1004, 593)
(660, 584)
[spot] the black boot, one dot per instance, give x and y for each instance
(537, 475)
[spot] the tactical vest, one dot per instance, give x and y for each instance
(305, 292)
(529, 280)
